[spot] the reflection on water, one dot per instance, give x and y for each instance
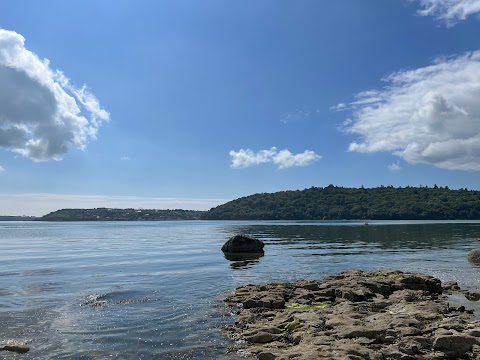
(412, 236)
(48, 270)
(243, 260)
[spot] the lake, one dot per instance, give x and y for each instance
(162, 283)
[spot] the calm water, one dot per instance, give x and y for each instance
(47, 270)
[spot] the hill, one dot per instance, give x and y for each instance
(336, 203)
(108, 214)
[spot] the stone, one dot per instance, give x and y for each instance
(454, 345)
(353, 315)
(243, 244)
(15, 346)
(472, 295)
(266, 356)
(450, 286)
(473, 257)
(261, 337)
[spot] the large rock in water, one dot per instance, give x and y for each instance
(243, 244)
(474, 257)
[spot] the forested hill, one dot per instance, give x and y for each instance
(336, 203)
(108, 214)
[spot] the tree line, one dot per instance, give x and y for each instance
(109, 214)
(337, 203)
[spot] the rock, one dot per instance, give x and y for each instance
(261, 337)
(474, 257)
(267, 302)
(243, 244)
(353, 315)
(472, 295)
(266, 356)
(362, 331)
(450, 286)
(15, 346)
(454, 345)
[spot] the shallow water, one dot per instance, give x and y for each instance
(161, 284)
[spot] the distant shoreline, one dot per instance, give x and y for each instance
(329, 203)
(18, 218)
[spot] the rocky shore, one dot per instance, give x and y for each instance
(354, 315)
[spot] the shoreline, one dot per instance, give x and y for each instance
(354, 315)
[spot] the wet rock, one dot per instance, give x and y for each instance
(353, 315)
(473, 257)
(450, 286)
(243, 244)
(17, 346)
(100, 301)
(472, 295)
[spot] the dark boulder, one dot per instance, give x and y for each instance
(243, 244)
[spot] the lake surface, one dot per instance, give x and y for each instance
(164, 282)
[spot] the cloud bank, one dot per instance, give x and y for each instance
(42, 115)
(428, 115)
(449, 11)
(283, 159)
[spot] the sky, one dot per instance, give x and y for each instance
(189, 104)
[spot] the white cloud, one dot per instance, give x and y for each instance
(339, 107)
(428, 115)
(125, 158)
(449, 11)
(283, 159)
(296, 116)
(42, 115)
(394, 167)
(2, 169)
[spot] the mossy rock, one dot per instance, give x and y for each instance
(293, 325)
(306, 307)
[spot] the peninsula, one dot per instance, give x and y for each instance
(339, 203)
(110, 214)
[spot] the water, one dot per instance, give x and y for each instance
(164, 282)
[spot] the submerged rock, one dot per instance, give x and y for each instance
(243, 244)
(353, 315)
(15, 346)
(100, 301)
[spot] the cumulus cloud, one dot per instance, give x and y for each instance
(283, 159)
(394, 167)
(42, 115)
(449, 11)
(428, 115)
(2, 169)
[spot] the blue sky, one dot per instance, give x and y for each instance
(188, 104)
